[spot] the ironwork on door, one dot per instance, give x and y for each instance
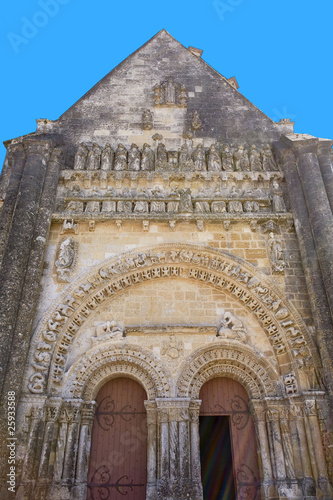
(225, 414)
(118, 459)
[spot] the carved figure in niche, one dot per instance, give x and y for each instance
(199, 158)
(278, 204)
(234, 192)
(173, 207)
(251, 206)
(227, 159)
(162, 157)
(124, 207)
(196, 121)
(173, 158)
(94, 158)
(148, 158)
(169, 91)
(107, 158)
(268, 162)
(172, 347)
(182, 96)
(231, 327)
(120, 162)
(185, 156)
(201, 207)
(241, 159)
(254, 157)
(66, 259)
(214, 160)
(147, 120)
(107, 331)
(276, 254)
(134, 158)
(185, 202)
(80, 157)
(157, 95)
(235, 207)
(157, 206)
(74, 207)
(141, 206)
(108, 206)
(219, 207)
(92, 206)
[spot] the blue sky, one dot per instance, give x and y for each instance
(279, 50)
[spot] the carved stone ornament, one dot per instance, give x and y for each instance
(196, 122)
(275, 253)
(172, 347)
(147, 120)
(290, 383)
(65, 262)
(231, 327)
(170, 94)
(107, 331)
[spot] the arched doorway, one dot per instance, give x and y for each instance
(228, 451)
(118, 459)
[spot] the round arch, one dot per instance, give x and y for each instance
(60, 325)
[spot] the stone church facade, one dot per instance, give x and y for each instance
(167, 269)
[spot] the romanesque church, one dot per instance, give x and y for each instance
(166, 292)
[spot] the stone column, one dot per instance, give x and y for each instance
(197, 493)
(83, 454)
(17, 252)
(258, 412)
(323, 480)
(301, 450)
(15, 161)
(324, 155)
(32, 455)
(314, 280)
(151, 450)
(73, 419)
(173, 482)
(273, 419)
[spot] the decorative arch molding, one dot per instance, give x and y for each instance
(237, 362)
(60, 325)
(97, 366)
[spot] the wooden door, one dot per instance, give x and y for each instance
(225, 413)
(118, 459)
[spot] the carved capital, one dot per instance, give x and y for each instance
(311, 409)
(37, 147)
(273, 414)
(88, 413)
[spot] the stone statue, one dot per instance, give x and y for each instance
(182, 96)
(214, 160)
(254, 157)
(276, 254)
(185, 157)
(120, 162)
(147, 120)
(107, 158)
(227, 160)
(162, 157)
(66, 259)
(268, 162)
(199, 158)
(80, 157)
(196, 121)
(107, 331)
(185, 203)
(134, 158)
(94, 158)
(157, 95)
(231, 327)
(148, 158)
(241, 159)
(278, 204)
(169, 90)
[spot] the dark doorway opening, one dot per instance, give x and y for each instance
(216, 458)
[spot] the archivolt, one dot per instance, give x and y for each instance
(56, 332)
(239, 363)
(97, 366)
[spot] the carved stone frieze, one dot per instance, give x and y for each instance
(276, 254)
(231, 327)
(107, 331)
